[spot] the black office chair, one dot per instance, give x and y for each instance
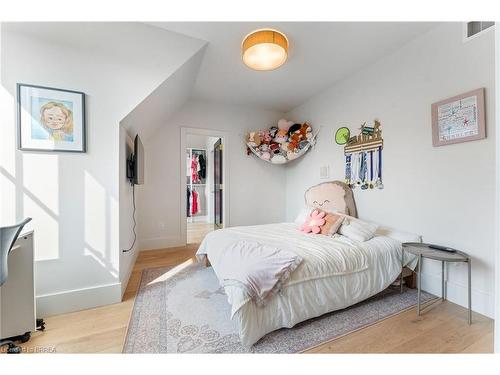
(8, 237)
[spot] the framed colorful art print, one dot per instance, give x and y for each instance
(459, 119)
(50, 119)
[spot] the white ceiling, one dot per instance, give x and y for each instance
(320, 54)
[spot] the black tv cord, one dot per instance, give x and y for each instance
(133, 218)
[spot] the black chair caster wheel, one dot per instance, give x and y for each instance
(14, 349)
(25, 338)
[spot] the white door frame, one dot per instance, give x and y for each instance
(225, 175)
(497, 188)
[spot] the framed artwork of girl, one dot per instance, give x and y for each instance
(50, 119)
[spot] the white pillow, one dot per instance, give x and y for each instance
(357, 230)
(397, 235)
(302, 216)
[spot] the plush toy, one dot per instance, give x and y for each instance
(284, 146)
(284, 124)
(292, 129)
(253, 139)
(281, 136)
(274, 147)
(264, 147)
(265, 136)
(306, 131)
(292, 145)
(273, 130)
(265, 155)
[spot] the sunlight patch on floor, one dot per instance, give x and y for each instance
(172, 272)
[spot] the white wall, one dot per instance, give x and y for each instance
(444, 193)
(74, 197)
(127, 259)
(256, 189)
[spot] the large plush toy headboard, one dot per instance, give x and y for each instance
(332, 196)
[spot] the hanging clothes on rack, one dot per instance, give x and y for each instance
(194, 170)
(188, 202)
(194, 202)
(202, 173)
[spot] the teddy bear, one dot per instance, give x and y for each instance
(292, 145)
(282, 134)
(303, 133)
(253, 139)
(306, 131)
(284, 124)
(265, 136)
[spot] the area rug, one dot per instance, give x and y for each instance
(184, 310)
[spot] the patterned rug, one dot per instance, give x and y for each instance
(184, 310)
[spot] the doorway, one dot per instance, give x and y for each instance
(203, 165)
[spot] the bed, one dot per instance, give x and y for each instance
(335, 272)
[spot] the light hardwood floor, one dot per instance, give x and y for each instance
(196, 232)
(441, 329)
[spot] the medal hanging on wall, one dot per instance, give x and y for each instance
(378, 183)
(348, 171)
(363, 158)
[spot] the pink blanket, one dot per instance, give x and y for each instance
(261, 269)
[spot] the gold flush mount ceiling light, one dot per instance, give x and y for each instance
(264, 49)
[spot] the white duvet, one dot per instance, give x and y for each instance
(335, 273)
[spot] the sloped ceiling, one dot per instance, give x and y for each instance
(165, 100)
(164, 64)
(321, 53)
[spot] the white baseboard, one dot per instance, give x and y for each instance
(78, 299)
(482, 302)
(160, 243)
(126, 279)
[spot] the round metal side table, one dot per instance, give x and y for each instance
(422, 250)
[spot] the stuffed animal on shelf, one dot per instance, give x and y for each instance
(265, 136)
(253, 139)
(292, 145)
(282, 134)
(274, 147)
(306, 131)
(281, 143)
(293, 129)
(264, 147)
(284, 124)
(273, 130)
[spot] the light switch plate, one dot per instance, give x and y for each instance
(324, 172)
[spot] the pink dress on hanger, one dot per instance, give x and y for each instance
(194, 170)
